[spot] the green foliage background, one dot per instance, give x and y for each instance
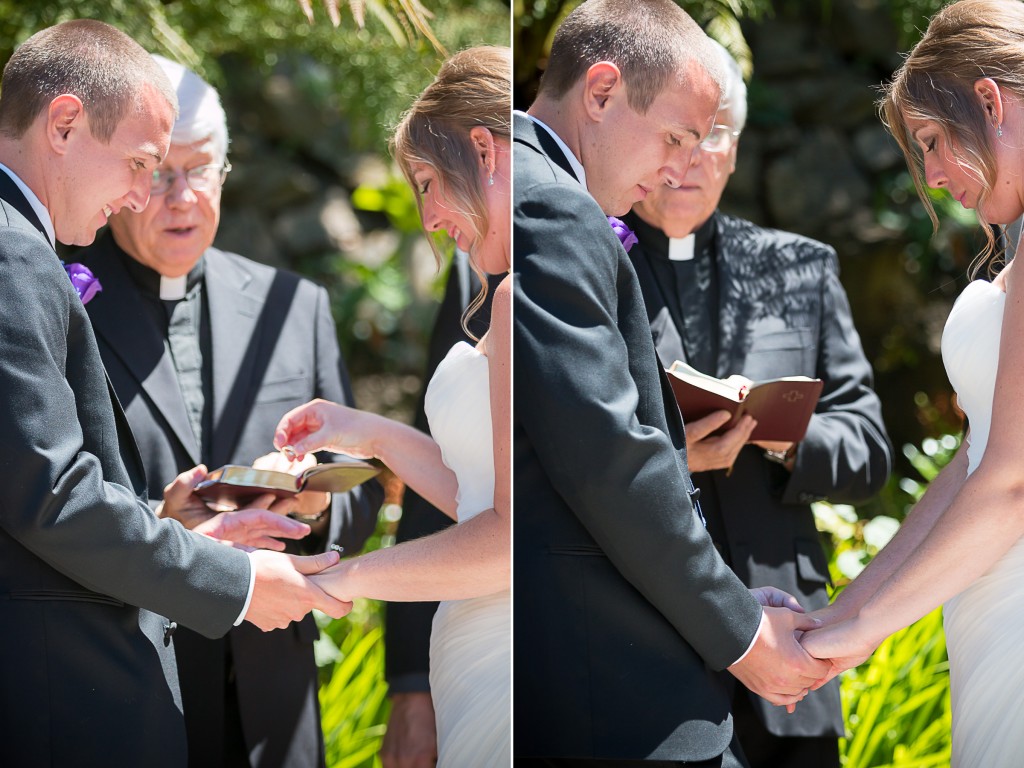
(897, 703)
(364, 73)
(361, 79)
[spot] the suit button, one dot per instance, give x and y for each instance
(169, 628)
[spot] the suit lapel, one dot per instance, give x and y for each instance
(236, 302)
(9, 191)
(121, 320)
(528, 132)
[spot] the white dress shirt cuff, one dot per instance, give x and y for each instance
(252, 585)
(750, 647)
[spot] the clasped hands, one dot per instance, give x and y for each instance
(797, 652)
(282, 590)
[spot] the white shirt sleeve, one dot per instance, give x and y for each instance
(760, 626)
(252, 585)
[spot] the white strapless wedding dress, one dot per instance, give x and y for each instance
(471, 640)
(985, 623)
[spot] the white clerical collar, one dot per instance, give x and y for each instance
(574, 163)
(37, 207)
(681, 248)
(173, 288)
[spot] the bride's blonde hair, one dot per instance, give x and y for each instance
(965, 41)
(472, 88)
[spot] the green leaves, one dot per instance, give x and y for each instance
(897, 703)
(353, 704)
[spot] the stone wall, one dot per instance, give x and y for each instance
(815, 159)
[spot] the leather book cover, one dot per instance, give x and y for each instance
(782, 407)
(233, 485)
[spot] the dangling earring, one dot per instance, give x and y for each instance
(490, 180)
(999, 130)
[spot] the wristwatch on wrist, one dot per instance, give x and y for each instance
(781, 457)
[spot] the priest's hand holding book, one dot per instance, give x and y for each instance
(721, 411)
(253, 527)
(708, 448)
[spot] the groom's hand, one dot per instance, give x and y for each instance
(774, 597)
(777, 668)
(282, 593)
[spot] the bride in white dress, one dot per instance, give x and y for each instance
(453, 146)
(955, 107)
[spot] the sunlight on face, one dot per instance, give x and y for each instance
(172, 233)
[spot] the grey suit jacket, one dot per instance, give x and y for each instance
(622, 605)
(274, 347)
(87, 677)
(782, 312)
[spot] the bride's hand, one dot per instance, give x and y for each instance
(845, 644)
(333, 581)
(831, 614)
(321, 424)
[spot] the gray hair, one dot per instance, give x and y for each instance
(201, 115)
(734, 91)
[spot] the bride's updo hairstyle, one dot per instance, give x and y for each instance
(965, 41)
(473, 87)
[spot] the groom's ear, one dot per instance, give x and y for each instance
(601, 86)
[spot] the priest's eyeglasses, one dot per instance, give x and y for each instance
(202, 178)
(720, 139)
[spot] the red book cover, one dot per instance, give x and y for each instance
(782, 407)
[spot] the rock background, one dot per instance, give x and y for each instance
(816, 159)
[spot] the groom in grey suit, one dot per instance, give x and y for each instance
(87, 676)
(206, 351)
(623, 608)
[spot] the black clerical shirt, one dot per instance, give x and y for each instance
(689, 288)
(185, 326)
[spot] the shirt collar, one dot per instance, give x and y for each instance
(656, 243)
(574, 163)
(156, 285)
(37, 206)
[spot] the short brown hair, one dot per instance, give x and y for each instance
(473, 87)
(94, 61)
(965, 41)
(650, 41)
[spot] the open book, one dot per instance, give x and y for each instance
(233, 485)
(782, 407)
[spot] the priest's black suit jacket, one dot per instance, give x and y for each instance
(86, 678)
(274, 347)
(781, 312)
(622, 606)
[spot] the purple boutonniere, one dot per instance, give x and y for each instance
(626, 235)
(83, 280)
